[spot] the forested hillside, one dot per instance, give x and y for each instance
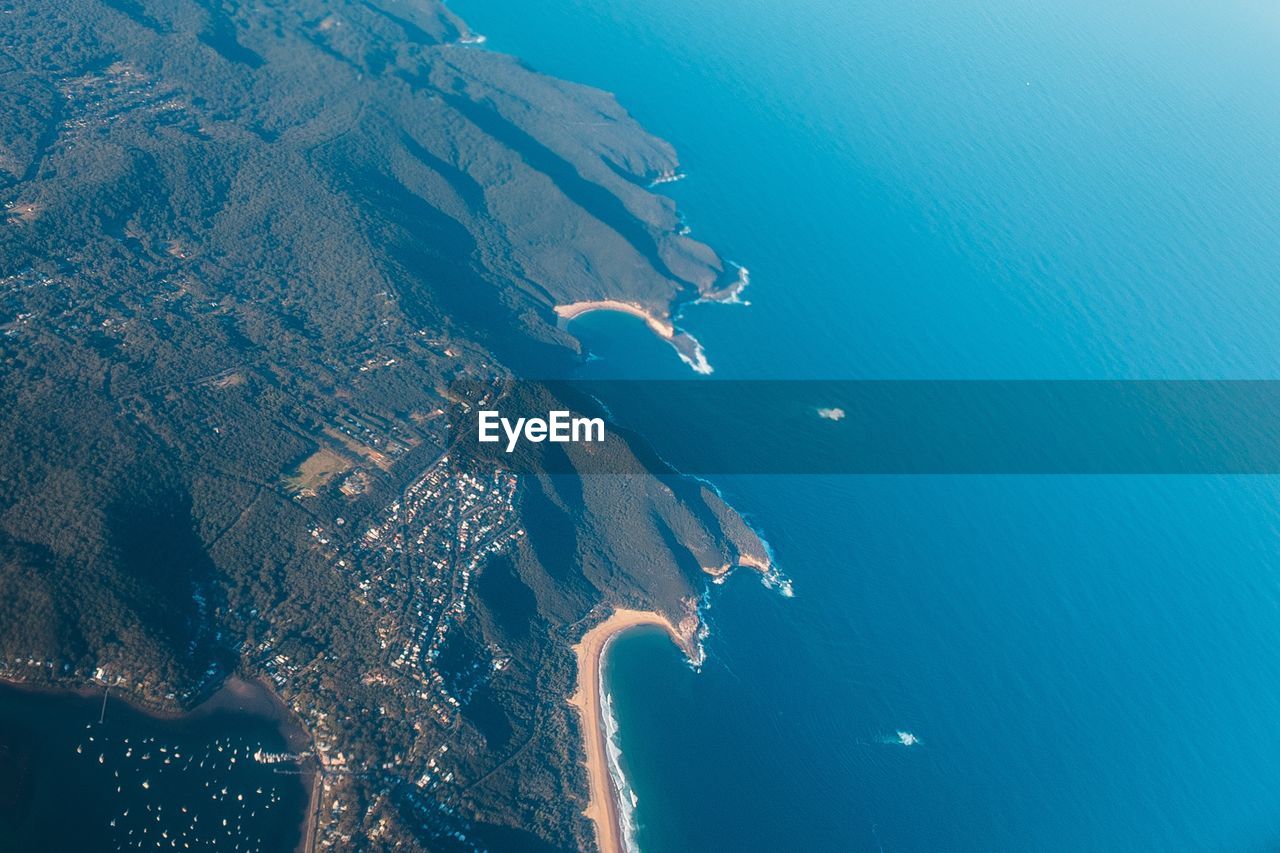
(247, 248)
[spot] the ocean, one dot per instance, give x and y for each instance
(961, 190)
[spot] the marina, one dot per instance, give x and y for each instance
(216, 779)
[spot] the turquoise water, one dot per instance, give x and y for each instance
(973, 191)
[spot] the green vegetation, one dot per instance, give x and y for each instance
(247, 247)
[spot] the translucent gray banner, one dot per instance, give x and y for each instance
(876, 427)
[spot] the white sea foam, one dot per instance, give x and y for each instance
(782, 584)
(734, 296)
(774, 578)
(625, 795)
(666, 178)
(697, 359)
(744, 281)
(900, 738)
(703, 632)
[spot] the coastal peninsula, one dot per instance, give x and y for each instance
(249, 250)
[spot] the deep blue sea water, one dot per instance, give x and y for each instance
(963, 190)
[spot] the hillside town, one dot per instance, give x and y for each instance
(412, 568)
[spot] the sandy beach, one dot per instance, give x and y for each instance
(744, 561)
(660, 326)
(602, 805)
(686, 345)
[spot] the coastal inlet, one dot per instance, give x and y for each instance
(224, 780)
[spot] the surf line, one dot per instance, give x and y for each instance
(611, 816)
